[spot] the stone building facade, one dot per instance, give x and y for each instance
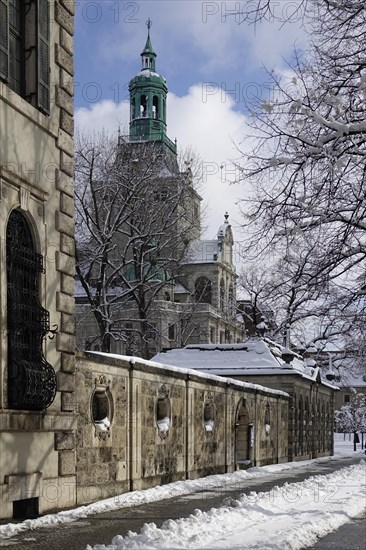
(37, 362)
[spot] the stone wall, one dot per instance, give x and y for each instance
(167, 424)
(310, 414)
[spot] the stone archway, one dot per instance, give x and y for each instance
(243, 437)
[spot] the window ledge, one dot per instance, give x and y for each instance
(27, 110)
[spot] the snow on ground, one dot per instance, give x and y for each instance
(291, 517)
(303, 502)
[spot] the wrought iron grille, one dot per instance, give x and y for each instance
(31, 379)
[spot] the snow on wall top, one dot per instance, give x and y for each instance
(187, 371)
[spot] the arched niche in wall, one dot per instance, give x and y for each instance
(163, 412)
(243, 436)
(102, 407)
(267, 419)
(209, 416)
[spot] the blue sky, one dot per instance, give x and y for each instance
(212, 61)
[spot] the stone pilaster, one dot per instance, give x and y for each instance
(65, 257)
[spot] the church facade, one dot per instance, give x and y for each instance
(194, 299)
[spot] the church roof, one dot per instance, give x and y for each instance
(148, 49)
(148, 73)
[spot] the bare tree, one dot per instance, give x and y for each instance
(133, 225)
(279, 292)
(307, 167)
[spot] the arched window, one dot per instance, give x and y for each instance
(133, 107)
(203, 290)
(143, 106)
(231, 300)
(155, 107)
(222, 294)
(31, 380)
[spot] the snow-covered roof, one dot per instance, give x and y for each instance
(254, 357)
(222, 230)
(181, 289)
(203, 251)
(350, 374)
(148, 73)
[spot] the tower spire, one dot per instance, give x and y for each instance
(148, 55)
(148, 96)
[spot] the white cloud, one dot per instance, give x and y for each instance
(211, 127)
(220, 34)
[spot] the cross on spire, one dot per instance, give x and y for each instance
(149, 25)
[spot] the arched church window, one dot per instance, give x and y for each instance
(222, 294)
(155, 106)
(143, 106)
(203, 290)
(133, 107)
(31, 379)
(231, 300)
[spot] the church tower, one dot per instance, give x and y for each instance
(148, 95)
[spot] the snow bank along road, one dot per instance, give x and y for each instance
(286, 516)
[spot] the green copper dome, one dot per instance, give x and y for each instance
(148, 95)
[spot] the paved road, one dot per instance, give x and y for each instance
(351, 536)
(101, 528)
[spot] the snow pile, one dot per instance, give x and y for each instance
(103, 424)
(163, 424)
(291, 517)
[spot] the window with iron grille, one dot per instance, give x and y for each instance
(24, 50)
(31, 379)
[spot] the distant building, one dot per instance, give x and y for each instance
(344, 369)
(261, 361)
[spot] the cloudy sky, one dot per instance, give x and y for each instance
(213, 59)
